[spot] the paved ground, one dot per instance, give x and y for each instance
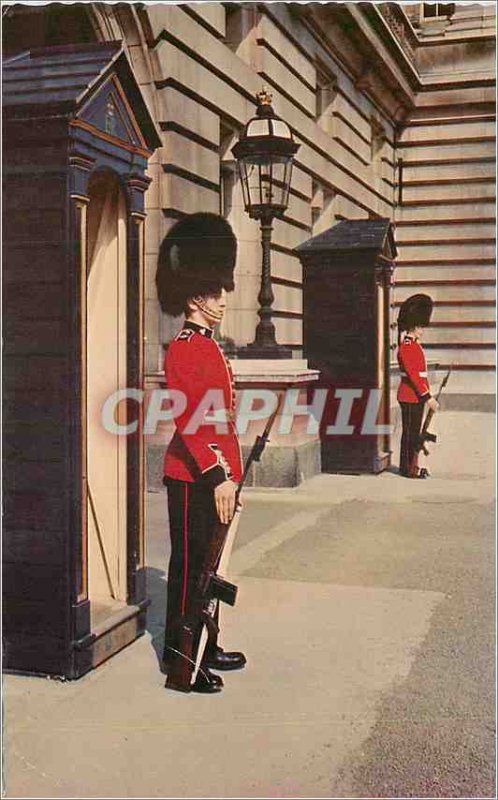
(366, 611)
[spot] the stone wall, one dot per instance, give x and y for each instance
(446, 217)
(363, 86)
(208, 63)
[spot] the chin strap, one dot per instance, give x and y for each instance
(216, 316)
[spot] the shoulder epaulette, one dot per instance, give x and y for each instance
(185, 335)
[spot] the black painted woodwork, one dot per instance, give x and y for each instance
(57, 135)
(342, 270)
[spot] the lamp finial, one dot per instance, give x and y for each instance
(264, 97)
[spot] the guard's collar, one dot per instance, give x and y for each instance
(193, 326)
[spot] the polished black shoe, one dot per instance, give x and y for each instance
(206, 682)
(220, 660)
(421, 475)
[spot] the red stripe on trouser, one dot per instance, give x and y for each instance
(413, 463)
(406, 454)
(185, 550)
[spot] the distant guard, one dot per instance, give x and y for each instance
(414, 390)
(202, 464)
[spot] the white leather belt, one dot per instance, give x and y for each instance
(422, 374)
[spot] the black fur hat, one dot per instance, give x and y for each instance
(197, 257)
(415, 311)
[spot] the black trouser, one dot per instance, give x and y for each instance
(411, 417)
(192, 520)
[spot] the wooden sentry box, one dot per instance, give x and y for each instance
(347, 276)
(77, 139)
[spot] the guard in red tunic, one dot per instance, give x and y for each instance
(414, 390)
(202, 464)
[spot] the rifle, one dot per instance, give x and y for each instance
(425, 435)
(212, 587)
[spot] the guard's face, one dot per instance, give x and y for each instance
(418, 331)
(211, 307)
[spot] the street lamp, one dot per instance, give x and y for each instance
(265, 153)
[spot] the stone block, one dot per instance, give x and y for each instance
(301, 181)
(447, 272)
(152, 357)
(447, 292)
(152, 195)
(195, 37)
(439, 233)
(156, 227)
(349, 210)
(289, 331)
(449, 192)
(154, 458)
(445, 252)
(191, 156)
(288, 235)
(150, 277)
(288, 298)
(467, 211)
(285, 466)
(457, 355)
(299, 210)
(279, 467)
(271, 67)
(464, 313)
(268, 32)
(449, 171)
(213, 14)
(446, 150)
(455, 96)
(344, 134)
(152, 321)
(344, 107)
(140, 64)
(284, 265)
(191, 114)
(449, 133)
(459, 335)
(186, 196)
(212, 88)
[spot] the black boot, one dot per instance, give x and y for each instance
(219, 660)
(207, 682)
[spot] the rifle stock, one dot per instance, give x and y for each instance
(211, 587)
(425, 435)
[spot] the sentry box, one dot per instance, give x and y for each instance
(77, 139)
(347, 278)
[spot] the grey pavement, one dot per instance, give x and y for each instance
(366, 610)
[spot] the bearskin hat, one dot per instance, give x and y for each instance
(197, 257)
(415, 311)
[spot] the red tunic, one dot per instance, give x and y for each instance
(201, 450)
(414, 386)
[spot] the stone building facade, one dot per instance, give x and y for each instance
(393, 106)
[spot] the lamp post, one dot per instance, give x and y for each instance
(265, 153)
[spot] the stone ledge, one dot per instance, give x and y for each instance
(285, 466)
(273, 371)
(279, 467)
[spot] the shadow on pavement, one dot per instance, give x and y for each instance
(156, 613)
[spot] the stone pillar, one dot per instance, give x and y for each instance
(289, 458)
